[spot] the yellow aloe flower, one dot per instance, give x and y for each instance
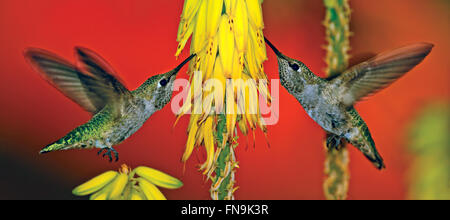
(123, 185)
(227, 36)
(158, 178)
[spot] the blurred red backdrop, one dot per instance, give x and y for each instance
(139, 39)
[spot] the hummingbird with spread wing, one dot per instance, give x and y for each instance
(93, 84)
(330, 102)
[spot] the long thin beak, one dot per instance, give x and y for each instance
(178, 68)
(277, 52)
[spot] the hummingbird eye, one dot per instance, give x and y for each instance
(163, 82)
(294, 66)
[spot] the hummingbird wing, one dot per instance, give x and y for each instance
(106, 83)
(66, 78)
(92, 63)
(92, 85)
(379, 72)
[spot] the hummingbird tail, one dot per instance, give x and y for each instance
(360, 137)
(376, 160)
(366, 145)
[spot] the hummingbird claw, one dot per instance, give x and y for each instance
(116, 154)
(333, 142)
(108, 153)
(100, 151)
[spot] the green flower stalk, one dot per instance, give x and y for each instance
(225, 165)
(337, 23)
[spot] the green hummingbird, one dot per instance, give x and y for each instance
(330, 102)
(93, 84)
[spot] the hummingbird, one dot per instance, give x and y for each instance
(94, 85)
(330, 101)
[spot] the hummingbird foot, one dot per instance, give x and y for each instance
(333, 141)
(109, 152)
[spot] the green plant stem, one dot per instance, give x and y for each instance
(222, 187)
(337, 22)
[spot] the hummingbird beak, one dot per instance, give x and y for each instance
(277, 52)
(178, 68)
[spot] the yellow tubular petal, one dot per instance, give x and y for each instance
(231, 109)
(248, 102)
(243, 126)
(210, 57)
(232, 125)
(229, 116)
(105, 192)
(199, 135)
(203, 66)
(248, 118)
(254, 119)
(226, 45)
(191, 138)
(261, 125)
(199, 37)
(255, 13)
(150, 191)
(118, 186)
(251, 113)
(207, 106)
(190, 9)
(209, 143)
(259, 45)
(186, 105)
(230, 6)
(180, 30)
(184, 39)
(158, 178)
(262, 45)
(264, 91)
(241, 27)
(241, 98)
(220, 77)
(101, 195)
(253, 97)
(136, 195)
(214, 15)
(194, 65)
(95, 184)
(237, 66)
(252, 66)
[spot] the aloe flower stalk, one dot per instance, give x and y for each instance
(337, 24)
(227, 36)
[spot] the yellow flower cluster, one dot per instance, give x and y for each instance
(123, 185)
(227, 36)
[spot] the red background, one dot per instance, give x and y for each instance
(138, 39)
